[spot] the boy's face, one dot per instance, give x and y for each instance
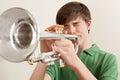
(78, 27)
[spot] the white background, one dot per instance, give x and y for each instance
(105, 28)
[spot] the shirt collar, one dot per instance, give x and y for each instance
(92, 50)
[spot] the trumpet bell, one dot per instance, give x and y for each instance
(18, 34)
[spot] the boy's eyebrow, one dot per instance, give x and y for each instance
(76, 22)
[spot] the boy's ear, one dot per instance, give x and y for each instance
(89, 24)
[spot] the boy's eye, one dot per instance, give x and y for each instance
(76, 23)
(65, 26)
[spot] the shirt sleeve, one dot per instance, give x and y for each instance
(109, 69)
(51, 72)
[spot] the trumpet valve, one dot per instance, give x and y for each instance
(59, 30)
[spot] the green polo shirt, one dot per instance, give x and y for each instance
(102, 65)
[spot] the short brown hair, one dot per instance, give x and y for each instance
(71, 11)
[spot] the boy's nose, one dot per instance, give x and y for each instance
(71, 30)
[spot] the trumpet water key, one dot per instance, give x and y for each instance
(20, 38)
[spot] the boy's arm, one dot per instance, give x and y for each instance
(39, 72)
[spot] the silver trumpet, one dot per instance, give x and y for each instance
(20, 38)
